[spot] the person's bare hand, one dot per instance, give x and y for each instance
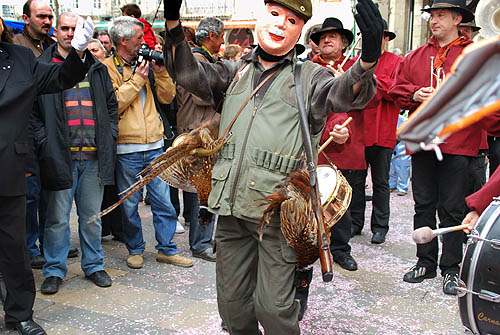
(339, 134)
(143, 69)
(337, 72)
(423, 94)
(471, 220)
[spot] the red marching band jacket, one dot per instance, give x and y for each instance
(351, 154)
(381, 114)
(415, 72)
(479, 200)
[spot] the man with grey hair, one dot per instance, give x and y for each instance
(140, 139)
(209, 36)
(193, 111)
(333, 40)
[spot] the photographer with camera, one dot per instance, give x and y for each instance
(140, 84)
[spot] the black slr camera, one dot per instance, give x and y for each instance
(146, 53)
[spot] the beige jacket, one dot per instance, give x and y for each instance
(138, 125)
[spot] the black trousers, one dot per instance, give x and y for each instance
(477, 173)
(14, 260)
(440, 186)
(494, 152)
(379, 160)
(112, 222)
(341, 231)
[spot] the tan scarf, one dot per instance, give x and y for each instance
(443, 51)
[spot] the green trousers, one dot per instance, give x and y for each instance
(255, 279)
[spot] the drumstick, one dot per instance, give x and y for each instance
(425, 234)
(330, 139)
(350, 50)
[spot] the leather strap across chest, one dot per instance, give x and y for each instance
(247, 99)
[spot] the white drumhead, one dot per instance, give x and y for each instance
(327, 180)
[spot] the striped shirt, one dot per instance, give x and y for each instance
(81, 120)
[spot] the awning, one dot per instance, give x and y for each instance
(236, 24)
(160, 25)
(17, 26)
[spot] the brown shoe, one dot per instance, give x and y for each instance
(135, 261)
(177, 260)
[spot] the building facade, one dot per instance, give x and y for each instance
(403, 16)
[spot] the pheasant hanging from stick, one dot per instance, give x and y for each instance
(293, 201)
(187, 165)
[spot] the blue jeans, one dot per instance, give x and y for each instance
(399, 174)
(87, 193)
(35, 216)
(200, 237)
(164, 216)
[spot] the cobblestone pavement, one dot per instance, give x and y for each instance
(164, 299)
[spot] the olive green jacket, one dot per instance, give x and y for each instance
(266, 143)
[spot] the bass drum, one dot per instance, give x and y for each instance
(479, 283)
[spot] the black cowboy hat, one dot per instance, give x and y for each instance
(459, 5)
(470, 24)
(299, 48)
(332, 24)
(388, 33)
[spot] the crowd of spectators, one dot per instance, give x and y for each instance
(94, 117)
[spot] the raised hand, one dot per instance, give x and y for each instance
(371, 24)
(172, 9)
(83, 33)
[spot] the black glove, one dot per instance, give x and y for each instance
(371, 24)
(172, 9)
(205, 216)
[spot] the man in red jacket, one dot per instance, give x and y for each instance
(380, 120)
(438, 185)
(134, 11)
(333, 40)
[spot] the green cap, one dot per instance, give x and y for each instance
(301, 7)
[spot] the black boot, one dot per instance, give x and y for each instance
(303, 279)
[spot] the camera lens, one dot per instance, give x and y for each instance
(149, 54)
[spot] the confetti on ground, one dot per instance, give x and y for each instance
(163, 299)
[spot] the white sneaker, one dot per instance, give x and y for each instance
(180, 228)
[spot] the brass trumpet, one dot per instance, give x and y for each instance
(437, 76)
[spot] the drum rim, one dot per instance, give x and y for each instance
(341, 180)
(475, 259)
